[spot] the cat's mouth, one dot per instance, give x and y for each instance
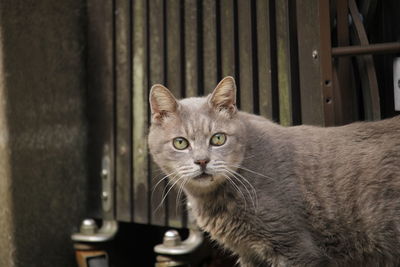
(203, 176)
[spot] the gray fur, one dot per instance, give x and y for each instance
(312, 196)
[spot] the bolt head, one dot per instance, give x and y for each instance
(104, 173)
(104, 195)
(88, 226)
(171, 238)
(123, 149)
(314, 54)
(398, 83)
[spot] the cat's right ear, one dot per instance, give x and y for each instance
(162, 103)
(223, 98)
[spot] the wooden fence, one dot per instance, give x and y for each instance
(280, 53)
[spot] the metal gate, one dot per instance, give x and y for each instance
(291, 60)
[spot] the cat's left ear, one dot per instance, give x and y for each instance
(224, 96)
(162, 103)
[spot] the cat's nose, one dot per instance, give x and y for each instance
(202, 162)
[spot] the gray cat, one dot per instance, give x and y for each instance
(282, 196)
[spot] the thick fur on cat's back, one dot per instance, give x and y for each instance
(295, 196)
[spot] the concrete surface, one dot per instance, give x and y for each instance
(43, 132)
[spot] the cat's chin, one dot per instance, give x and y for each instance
(203, 183)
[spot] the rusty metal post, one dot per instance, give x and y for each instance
(344, 91)
(374, 49)
(326, 63)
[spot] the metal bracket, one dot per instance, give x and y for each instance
(172, 243)
(106, 193)
(89, 231)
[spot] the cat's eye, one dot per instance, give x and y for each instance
(180, 143)
(218, 139)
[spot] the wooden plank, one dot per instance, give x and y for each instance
(312, 109)
(246, 83)
(191, 48)
(265, 62)
(227, 17)
(210, 68)
(283, 58)
(101, 95)
(156, 75)
(140, 112)
(124, 112)
(174, 83)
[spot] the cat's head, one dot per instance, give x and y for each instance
(199, 141)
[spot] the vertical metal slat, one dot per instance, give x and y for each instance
(191, 48)
(265, 60)
(140, 112)
(245, 56)
(285, 68)
(227, 43)
(174, 83)
(156, 74)
(101, 96)
(210, 68)
(123, 111)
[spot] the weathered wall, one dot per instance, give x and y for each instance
(42, 130)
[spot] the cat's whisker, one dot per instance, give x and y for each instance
(216, 162)
(164, 178)
(155, 177)
(182, 172)
(184, 183)
(178, 197)
(182, 168)
(161, 180)
(169, 190)
(248, 170)
(239, 177)
(237, 189)
(253, 195)
(158, 171)
(168, 186)
(171, 180)
(232, 175)
(185, 168)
